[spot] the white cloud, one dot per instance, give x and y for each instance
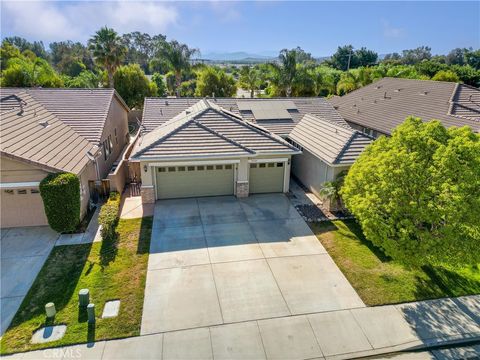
(53, 21)
(390, 31)
(226, 11)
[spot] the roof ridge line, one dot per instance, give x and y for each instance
(258, 129)
(224, 137)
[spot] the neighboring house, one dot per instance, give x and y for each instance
(55, 130)
(378, 108)
(221, 146)
(328, 148)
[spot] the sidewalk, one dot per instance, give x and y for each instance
(342, 334)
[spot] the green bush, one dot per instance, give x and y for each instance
(108, 216)
(61, 198)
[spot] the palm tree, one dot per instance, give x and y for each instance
(285, 71)
(108, 51)
(178, 57)
(250, 79)
(331, 191)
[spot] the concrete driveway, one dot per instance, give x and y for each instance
(221, 260)
(23, 253)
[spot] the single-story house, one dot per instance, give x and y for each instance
(206, 150)
(81, 131)
(187, 141)
(378, 108)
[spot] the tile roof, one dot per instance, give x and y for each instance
(386, 103)
(206, 129)
(335, 144)
(30, 132)
(156, 111)
(84, 110)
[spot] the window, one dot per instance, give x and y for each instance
(22, 192)
(279, 164)
(36, 191)
(228, 167)
(107, 147)
(271, 165)
(116, 138)
(161, 169)
(219, 167)
(181, 168)
(9, 192)
(200, 167)
(210, 167)
(262, 165)
(253, 166)
(191, 168)
(171, 169)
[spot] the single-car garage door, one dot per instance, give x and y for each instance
(21, 207)
(266, 177)
(193, 181)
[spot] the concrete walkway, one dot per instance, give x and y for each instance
(23, 253)
(343, 334)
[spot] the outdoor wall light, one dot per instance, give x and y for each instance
(145, 168)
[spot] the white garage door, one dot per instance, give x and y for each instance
(194, 181)
(266, 178)
(21, 207)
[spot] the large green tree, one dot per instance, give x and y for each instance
(108, 51)
(133, 86)
(250, 79)
(416, 194)
(178, 56)
(284, 72)
(215, 82)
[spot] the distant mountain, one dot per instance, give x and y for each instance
(239, 55)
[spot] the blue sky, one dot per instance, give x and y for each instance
(257, 27)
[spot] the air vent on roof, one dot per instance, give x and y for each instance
(43, 123)
(424, 93)
(166, 102)
(378, 87)
(161, 112)
(398, 90)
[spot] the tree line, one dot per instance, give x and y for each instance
(139, 65)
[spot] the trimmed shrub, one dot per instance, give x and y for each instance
(61, 199)
(108, 216)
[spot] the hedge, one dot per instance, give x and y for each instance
(61, 199)
(108, 216)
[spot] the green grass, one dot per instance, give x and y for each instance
(379, 280)
(113, 269)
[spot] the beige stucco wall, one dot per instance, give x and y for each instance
(313, 172)
(16, 171)
(27, 209)
(117, 119)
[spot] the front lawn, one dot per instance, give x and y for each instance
(113, 269)
(379, 280)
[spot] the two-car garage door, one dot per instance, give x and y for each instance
(194, 181)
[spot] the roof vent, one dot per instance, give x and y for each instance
(398, 90)
(187, 112)
(161, 112)
(378, 87)
(166, 102)
(424, 93)
(43, 123)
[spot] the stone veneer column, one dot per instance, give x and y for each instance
(148, 194)
(242, 189)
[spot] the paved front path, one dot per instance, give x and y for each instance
(220, 260)
(23, 253)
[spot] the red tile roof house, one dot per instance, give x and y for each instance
(225, 146)
(83, 131)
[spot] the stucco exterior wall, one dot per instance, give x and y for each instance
(117, 119)
(17, 171)
(313, 172)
